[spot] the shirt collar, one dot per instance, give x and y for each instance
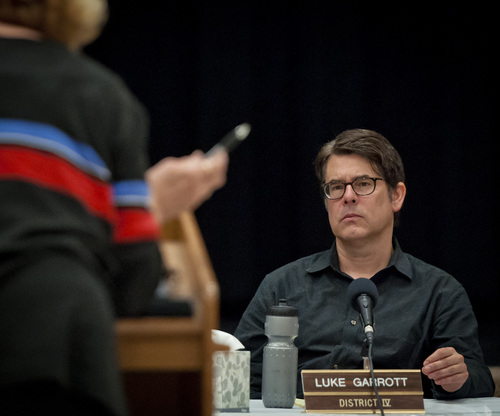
(399, 261)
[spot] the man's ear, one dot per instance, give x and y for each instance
(398, 196)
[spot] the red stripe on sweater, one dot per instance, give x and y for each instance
(136, 224)
(49, 171)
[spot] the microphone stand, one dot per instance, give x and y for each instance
(370, 364)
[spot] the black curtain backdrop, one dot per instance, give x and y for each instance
(300, 73)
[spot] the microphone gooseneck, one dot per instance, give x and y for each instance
(363, 296)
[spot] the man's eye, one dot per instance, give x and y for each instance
(336, 187)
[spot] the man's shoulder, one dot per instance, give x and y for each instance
(426, 273)
(300, 267)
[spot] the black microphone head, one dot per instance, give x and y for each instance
(362, 286)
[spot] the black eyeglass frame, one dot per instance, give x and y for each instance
(351, 183)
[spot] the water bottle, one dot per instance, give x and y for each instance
(279, 367)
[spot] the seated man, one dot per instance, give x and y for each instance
(423, 318)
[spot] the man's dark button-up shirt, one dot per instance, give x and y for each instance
(420, 309)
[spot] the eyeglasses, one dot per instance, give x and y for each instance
(362, 186)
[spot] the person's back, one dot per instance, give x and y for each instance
(74, 225)
(68, 134)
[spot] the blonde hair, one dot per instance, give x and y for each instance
(75, 23)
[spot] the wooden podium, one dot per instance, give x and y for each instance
(166, 362)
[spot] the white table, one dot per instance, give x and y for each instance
(469, 407)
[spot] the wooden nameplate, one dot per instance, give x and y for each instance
(351, 391)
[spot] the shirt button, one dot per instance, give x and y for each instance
(353, 322)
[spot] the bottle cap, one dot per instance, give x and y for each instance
(282, 309)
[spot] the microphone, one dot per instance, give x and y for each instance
(363, 296)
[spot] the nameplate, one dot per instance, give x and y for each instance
(351, 391)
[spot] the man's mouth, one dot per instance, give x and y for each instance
(349, 216)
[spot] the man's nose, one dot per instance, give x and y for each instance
(349, 194)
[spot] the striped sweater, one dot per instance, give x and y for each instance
(73, 151)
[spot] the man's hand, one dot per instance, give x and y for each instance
(447, 368)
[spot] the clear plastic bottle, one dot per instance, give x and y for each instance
(279, 367)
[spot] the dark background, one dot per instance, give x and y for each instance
(301, 73)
